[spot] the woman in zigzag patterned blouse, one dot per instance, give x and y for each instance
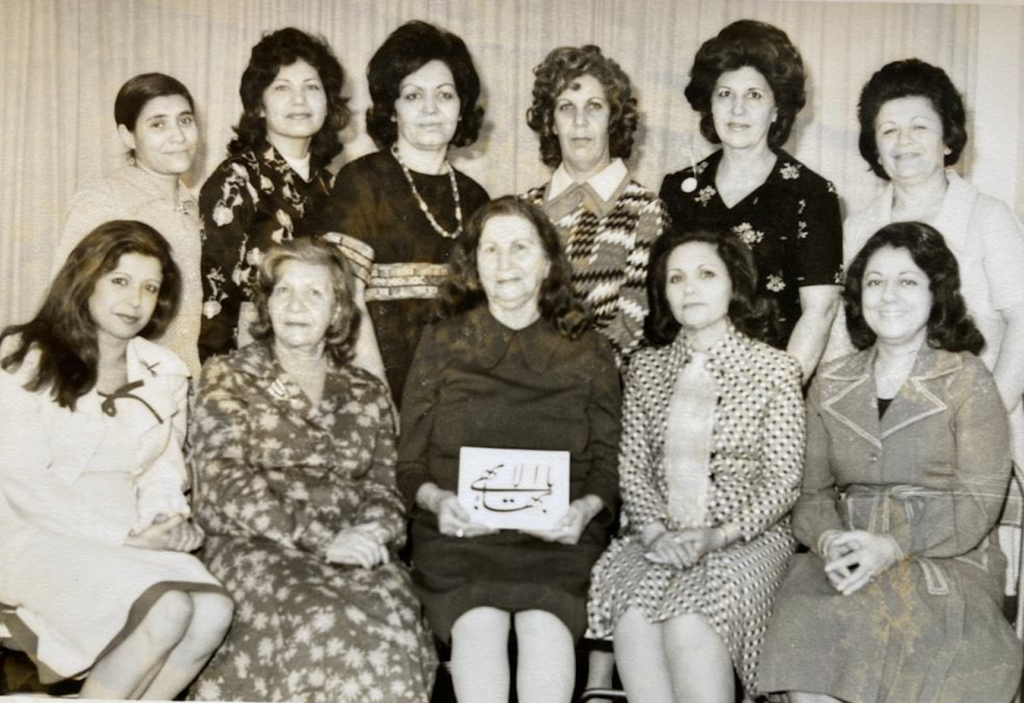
(585, 115)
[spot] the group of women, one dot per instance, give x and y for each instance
(838, 548)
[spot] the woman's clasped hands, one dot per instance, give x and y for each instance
(683, 548)
(364, 546)
(854, 558)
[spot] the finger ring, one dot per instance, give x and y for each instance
(460, 532)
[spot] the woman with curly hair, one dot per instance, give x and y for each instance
(398, 213)
(712, 448)
(513, 365)
(294, 447)
(747, 83)
(274, 178)
(585, 115)
(899, 597)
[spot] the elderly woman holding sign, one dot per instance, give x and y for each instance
(512, 367)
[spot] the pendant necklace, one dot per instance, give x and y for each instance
(423, 203)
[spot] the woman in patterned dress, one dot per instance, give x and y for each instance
(712, 449)
(398, 213)
(899, 596)
(274, 179)
(585, 115)
(95, 524)
(295, 452)
(747, 83)
(156, 122)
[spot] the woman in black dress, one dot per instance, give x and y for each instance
(515, 366)
(398, 212)
(747, 83)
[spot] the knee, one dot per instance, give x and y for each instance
(481, 628)
(541, 629)
(167, 621)
(690, 632)
(212, 615)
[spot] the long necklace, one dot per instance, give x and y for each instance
(423, 203)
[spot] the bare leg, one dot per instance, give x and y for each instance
(804, 697)
(547, 658)
(699, 661)
(211, 618)
(127, 670)
(480, 669)
(600, 670)
(640, 656)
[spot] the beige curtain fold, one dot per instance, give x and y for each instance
(63, 61)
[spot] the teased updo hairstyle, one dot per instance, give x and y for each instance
(406, 50)
(949, 325)
(273, 52)
(462, 291)
(560, 71)
(911, 78)
(63, 330)
(762, 47)
(138, 91)
(749, 312)
(339, 340)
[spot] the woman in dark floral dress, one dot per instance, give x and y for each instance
(747, 83)
(295, 453)
(274, 178)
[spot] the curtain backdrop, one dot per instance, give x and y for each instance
(64, 60)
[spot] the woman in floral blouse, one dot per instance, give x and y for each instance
(295, 452)
(747, 83)
(275, 175)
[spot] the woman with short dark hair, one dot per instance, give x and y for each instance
(513, 365)
(275, 176)
(747, 83)
(93, 513)
(712, 448)
(585, 115)
(912, 132)
(294, 447)
(398, 213)
(899, 596)
(156, 121)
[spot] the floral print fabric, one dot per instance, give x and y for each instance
(278, 479)
(791, 223)
(251, 202)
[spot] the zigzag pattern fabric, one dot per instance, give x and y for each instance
(609, 259)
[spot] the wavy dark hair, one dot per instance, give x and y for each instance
(904, 79)
(750, 313)
(462, 291)
(339, 340)
(137, 91)
(763, 47)
(63, 330)
(559, 71)
(949, 325)
(407, 50)
(274, 51)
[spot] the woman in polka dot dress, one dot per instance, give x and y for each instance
(709, 466)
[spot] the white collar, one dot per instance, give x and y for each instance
(605, 182)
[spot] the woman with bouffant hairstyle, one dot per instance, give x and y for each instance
(747, 84)
(397, 213)
(275, 176)
(585, 115)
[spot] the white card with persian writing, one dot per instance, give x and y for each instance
(514, 489)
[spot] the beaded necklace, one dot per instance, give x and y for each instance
(423, 203)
